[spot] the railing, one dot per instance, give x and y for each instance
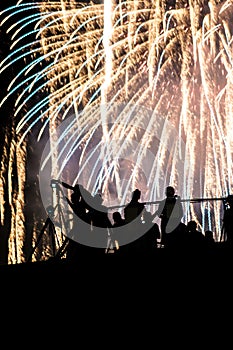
(191, 200)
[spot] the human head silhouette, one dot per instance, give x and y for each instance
(170, 191)
(136, 195)
(191, 226)
(209, 234)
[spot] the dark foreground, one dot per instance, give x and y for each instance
(95, 290)
(161, 262)
(114, 283)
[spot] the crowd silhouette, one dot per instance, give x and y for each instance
(133, 230)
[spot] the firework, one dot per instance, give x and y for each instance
(139, 91)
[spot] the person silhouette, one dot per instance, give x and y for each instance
(209, 239)
(117, 232)
(170, 211)
(117, 219)
(195, 238)
(100, 222)
(98, 213)
(78, 204)
(90, 216)
(80, 223)
(227, 228)
(152, 232)
(133, 210)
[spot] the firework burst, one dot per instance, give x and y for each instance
(146, 87)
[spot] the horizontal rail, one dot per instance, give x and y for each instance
(191, 200)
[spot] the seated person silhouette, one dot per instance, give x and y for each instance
(117, 219)
(195, 239)
(80, 202)
(89, 216)
(98, 213)
(209, 239)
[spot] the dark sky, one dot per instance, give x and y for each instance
(7, 3)
(4, 42)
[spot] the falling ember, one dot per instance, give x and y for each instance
(13, 171)
(148, 85)
(17, 236)
(107, 35)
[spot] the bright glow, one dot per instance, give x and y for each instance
(102, 62)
